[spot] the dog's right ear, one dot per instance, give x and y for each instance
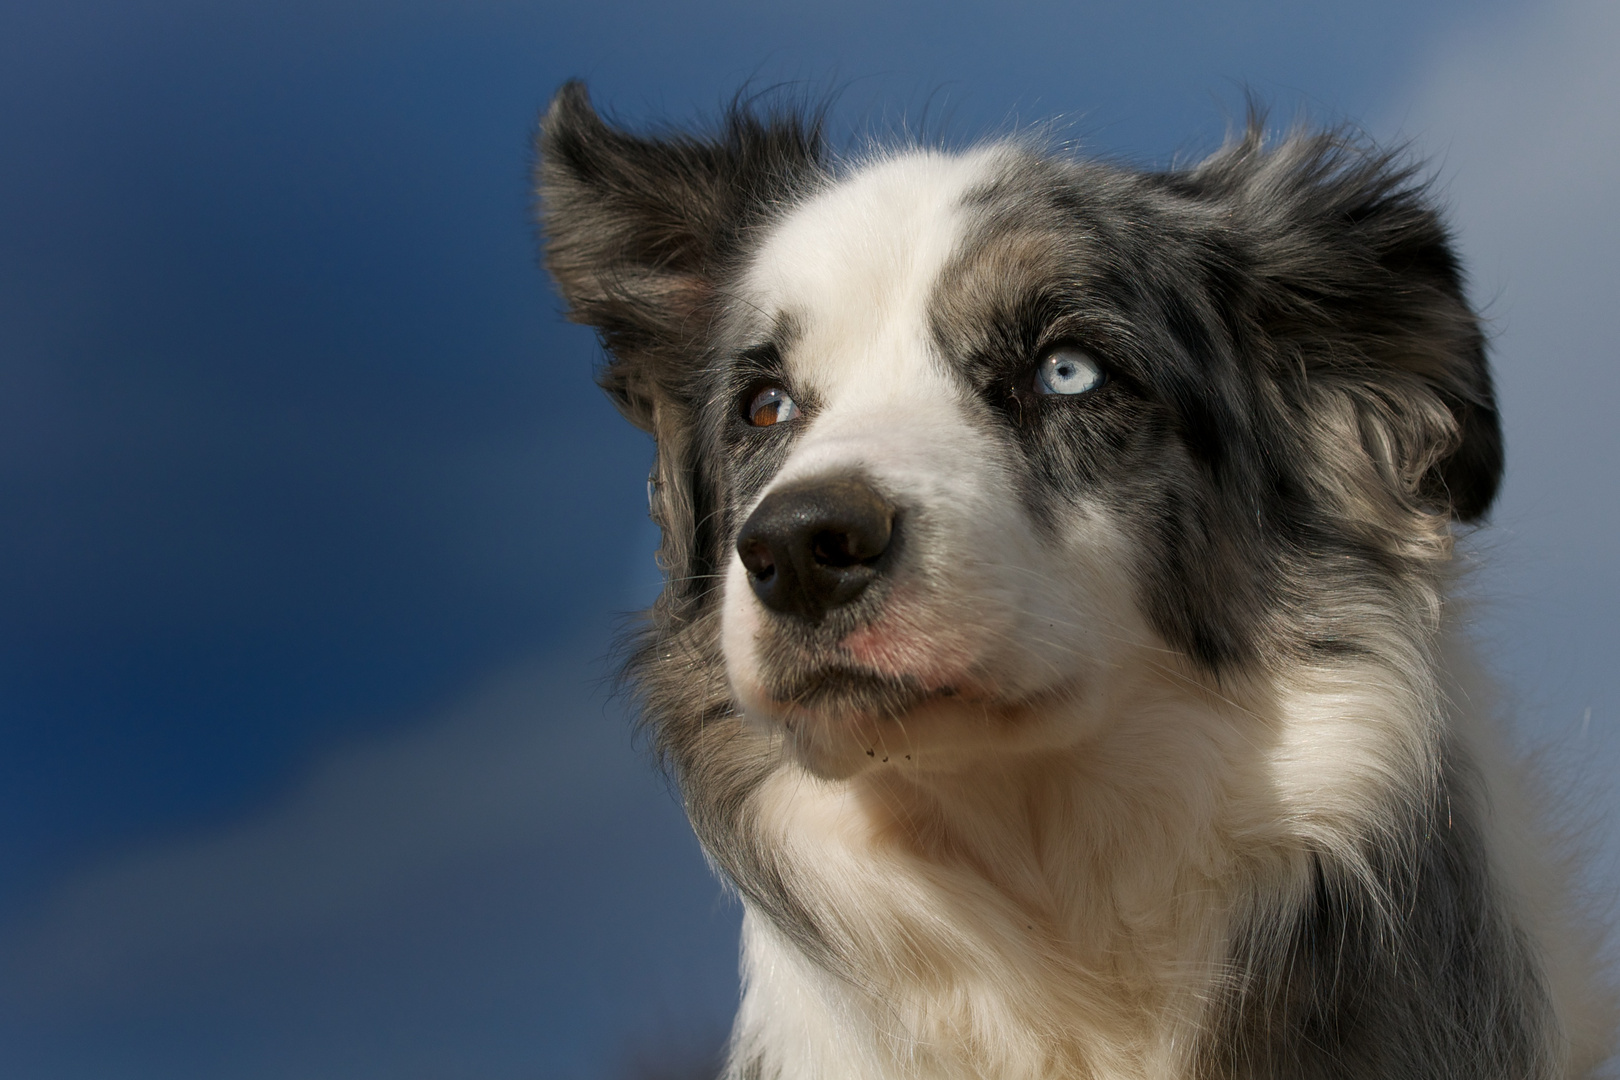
(641, 230)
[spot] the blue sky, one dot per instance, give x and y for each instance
(314, 530)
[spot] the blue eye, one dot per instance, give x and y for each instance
(771, 406)
(1067, 370)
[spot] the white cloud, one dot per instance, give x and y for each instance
(532, 752)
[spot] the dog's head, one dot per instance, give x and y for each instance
(951, 444)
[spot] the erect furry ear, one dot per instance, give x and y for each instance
(640, 230)
(1356, 287)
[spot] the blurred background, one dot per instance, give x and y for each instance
(314, 532)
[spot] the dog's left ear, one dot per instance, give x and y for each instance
(1354, 286)
(640, 230)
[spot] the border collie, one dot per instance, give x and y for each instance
(1055, 653)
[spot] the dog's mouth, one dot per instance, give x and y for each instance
(837, 718)
(841, 690)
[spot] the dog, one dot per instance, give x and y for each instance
(1055, 653)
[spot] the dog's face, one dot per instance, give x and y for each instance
(929, 450)
(952, 448)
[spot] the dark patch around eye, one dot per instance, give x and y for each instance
(755, 452)
(1002, 364)
(1046, 270)
(762, 361)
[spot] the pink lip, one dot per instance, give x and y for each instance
(937, 662)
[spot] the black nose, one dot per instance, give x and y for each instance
(814, 547)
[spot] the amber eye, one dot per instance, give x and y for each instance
(771, 406)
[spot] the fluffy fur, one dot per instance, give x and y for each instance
(1144, 753)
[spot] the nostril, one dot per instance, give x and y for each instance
(757, 559)
(832, 549)
(860, 538)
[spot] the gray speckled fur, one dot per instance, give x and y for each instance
(1424, 977)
